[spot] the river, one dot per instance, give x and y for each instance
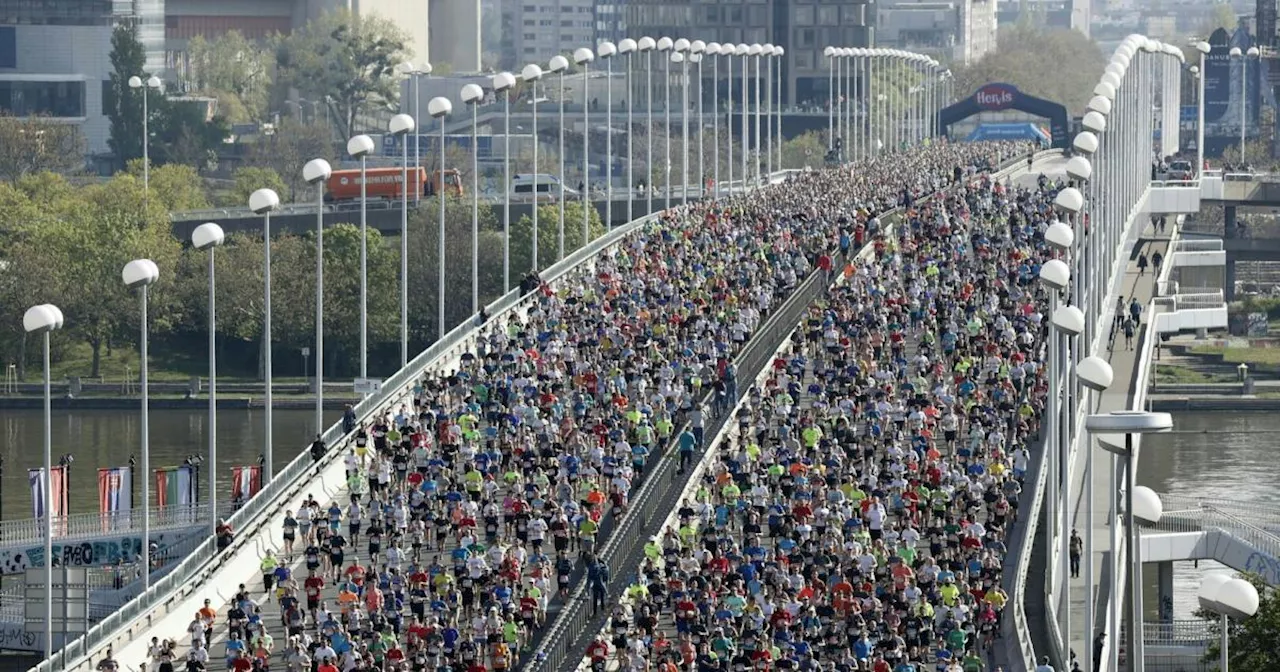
(1237, 461)
(107, 439)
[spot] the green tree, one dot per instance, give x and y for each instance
(183, 132)
(177, 186)
(1222, 16)
(1059, 65)
(1254, 641)
(31, 145)
(342, 294)
(248, 179)
(123, 105)
(289, 149)
(234, 70)
(424, 254)
(548, 236)
(351, 60)
(804, 151)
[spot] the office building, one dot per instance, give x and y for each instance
(536, 30)
(952, 31)
(803, 27)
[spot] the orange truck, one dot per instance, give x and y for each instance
(384, 183)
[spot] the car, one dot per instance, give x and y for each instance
(1181, 170)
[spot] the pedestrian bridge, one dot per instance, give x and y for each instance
(1243, 539)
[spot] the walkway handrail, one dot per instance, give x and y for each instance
(1207, 516)
(78, 526)
(1184, 632)
(1198, 245)
(257, 511)
(1250, 511)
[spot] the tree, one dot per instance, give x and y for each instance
(31, 145)
(122, 104)
(351, 60)
(234, 70)
(182, 132)
(424, 274)
(805, 151)
(288, 149)
(1223, 16)
(1060, 65)
(177, 186)
(248, 179)
(1255, 641)
(548, 236)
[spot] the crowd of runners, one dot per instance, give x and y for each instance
(469, 512)
(856, 519)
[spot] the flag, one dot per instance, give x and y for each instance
(35, 477)
(176, 486)
(115, 489)
(245, 482)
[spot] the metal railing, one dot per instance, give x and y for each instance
(97, 525)
(1205, 517)
(1184, 632)
(206, 558)
(1183, 301)
(1198, 245)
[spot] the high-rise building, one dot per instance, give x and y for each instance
(954, 31)
(536, 30)
(803, 27)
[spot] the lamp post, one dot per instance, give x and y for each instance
(1068, 322)
(646, 45)
(696, 50)
(1244, 91)
(415, 72)
(472, 94)
(1229, 598)
(727, 49)
(583, 56)
(559, 65)
(742, 50)
(606, 50)
(1055, 276)
(151, 82)
(140, 274)
(532, 73)
(1203, 48)
(503, 83)
(209, 236)
(317, 172)
(439, 108)
(754, 51)
(401, 125)
(263, 202)
(1129, 423)
(627, 47)
(779, 53)
(767, 144)
(1096, 375)
(712, 50)
(360, 147)
(681, 56)
(830, 54)
(43, 319)
(664, 46)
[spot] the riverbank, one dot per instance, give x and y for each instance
(130, 402)
(1170, 403)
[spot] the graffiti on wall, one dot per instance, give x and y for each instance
(15, 638)
(89, 553)
(1264, 566)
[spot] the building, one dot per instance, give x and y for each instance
(803, 27)
(536, 30)
(952, 31)
(455, 34)
(1063, 14)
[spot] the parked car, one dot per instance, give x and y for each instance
(1181, 170)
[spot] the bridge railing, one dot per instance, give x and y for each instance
(1183, 632)
(190, 573)
(1198, 245)
(1206, 517)
(1187, 301)
(96, 525)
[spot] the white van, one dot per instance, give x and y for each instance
(548, 185)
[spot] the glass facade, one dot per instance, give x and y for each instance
(52, 99)
(57, 12)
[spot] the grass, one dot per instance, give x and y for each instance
(1175, 374)
(1250, 356)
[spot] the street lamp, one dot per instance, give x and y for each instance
(681, 56)
(743, 51)
(606, 50)
(209, 236)
(583, 56)
(830, 54)
(360, 147)
(778, 54)
(472, 94)
(1129, 423)
(263, 202)
(766, 143)
(755, 51)
(317, 172)
(1229, 598)
(646, 45)
(532, 73)
(43, 319)
(559, 65)
(1096, 375)
(152, 82)
(696, 49)
(415, 72)
(664, 45)
(401, 125)
(1055, 275)
(1203, 48)
(439, 108)
(503, 82)
(628, 46)
(141, 274)
(712, 50)
(727, 50)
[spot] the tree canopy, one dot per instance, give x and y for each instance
(32, 145)
(346, 60)
(1059, 65)
(234, 70)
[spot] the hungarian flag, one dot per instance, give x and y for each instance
(35, 477)
(176, 486)
(245, 482)
(115, 489)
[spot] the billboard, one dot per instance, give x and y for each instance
(1231, 86)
